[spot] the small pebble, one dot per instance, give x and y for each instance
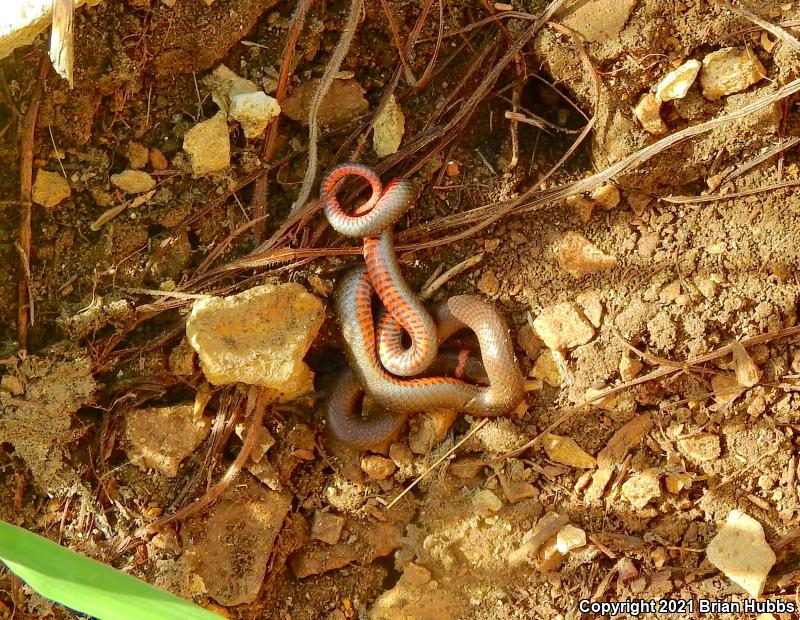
(580, 257)
(377, 467)
(485, 501)
(49, 189)
(133, 181)
(730, 70)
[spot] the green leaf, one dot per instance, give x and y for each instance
(86, 585)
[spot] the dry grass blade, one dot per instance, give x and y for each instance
(686, 200)
(768, 154)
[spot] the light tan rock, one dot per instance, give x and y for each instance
(49, 189)
(257, 337)
(389, 129)
(570, 537)
(648, 113)
(484, 501)
(225, 85)
(488, 284)
(730, 70)
(677, 82)
(157, 159)
(592, 307)
(377, 467)
(629, 367)
(566, 451)
(563, 326)
(600, 480)
(701, 448)
(327, 527)
(254, 111)
(137, 155)
(161, 437)
(725, 388)
(133, 181)
(209, 145)
(606, 196)
(545, 369)
(580, 257)
(747, 373)
(641, 488)
(606, 403)
(741, 552)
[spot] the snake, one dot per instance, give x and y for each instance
(406, 380)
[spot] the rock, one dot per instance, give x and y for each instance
(648, 113)
(566, 451)
(570, 537)
(157, 159)
(741, 552)
(730, 70)
(592, 307)
(701, 448)
(582, 206)
(229, 545)
(563, 326)
(579, 257)
(675, 484)
(484, 501)
(467, 467)
(181, 359)
(225, 85)
(606, 196)
(401, 455)
(261, 444)
(161, 437)
(367, 542)
(389, 129)
(429, 428)
(209, 145)
(344, 101)
(49, 189)
(257, 337)
(327, 527)
(377, 467)
(133, 181)
(600, 480)
(549, 558)
(12, 385)
(726, 389)
(624, 440)
(529, 342)
(488, 284)
(600, 21)
(606, 403)
(545, 369)
(629, 367)
(137, 155)
(747, 373)
(254, 111)
(641, 488)
(677, 82)
(416, 596)
(517, 490)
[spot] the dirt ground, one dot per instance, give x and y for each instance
(304, 532)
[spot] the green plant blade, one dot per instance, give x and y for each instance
(86, 585)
